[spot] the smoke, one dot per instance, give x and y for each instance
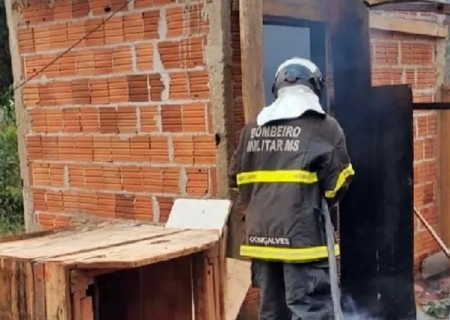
(351, 311)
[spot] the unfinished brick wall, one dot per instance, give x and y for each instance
(122, 124)
(396, 59)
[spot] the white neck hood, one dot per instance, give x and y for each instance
(292, 102)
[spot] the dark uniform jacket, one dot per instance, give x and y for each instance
(283, 171)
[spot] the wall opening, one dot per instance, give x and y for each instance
(282, 40)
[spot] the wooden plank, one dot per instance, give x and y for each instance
(204, 305)
(222, 267)
(57, 292)
(99, 238)
(49, 238)
(6, 304)
(426, 28)
(444, 164)
(238, 284)
(29, 290)
(31, 235)
(251, 33)
(145, 252)
(39, 291)
(87, 312)
(16, 290)
(199, 214)
(81, 303)
(23, 290)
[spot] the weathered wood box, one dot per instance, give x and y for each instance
(113, 270)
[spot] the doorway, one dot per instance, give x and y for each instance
(285, 38)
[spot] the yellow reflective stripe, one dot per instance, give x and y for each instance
(300, 176)
(342, 178)
(287, 254)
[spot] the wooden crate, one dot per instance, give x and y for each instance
(113, 270)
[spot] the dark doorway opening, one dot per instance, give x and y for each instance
(149, 292)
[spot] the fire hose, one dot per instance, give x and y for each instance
(334, 279)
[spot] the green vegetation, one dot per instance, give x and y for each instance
(11, 200)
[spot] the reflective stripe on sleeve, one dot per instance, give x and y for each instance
(287, 254)
(274, 176)
(342, 178)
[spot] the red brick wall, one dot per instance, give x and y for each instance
(396, 59)
(121, 125)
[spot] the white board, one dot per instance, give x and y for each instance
(199, 214)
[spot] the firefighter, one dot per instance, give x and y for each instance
(284, 165)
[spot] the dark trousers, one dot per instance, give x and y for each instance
(293, 291)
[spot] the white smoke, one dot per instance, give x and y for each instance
(351, 312)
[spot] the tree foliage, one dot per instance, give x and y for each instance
(11, 200)
(6, 78)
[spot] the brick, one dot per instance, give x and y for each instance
(30, 95)
(114, 31)
(165, 205)
(138, 88)
(63, 221)
(163, 2)
(194, 149)
(426, 78)
(184, 118)
(99, 91)
(144, 56)
(103, 61)
(170, 118)
(58, 36)
(175, 22)
(386, 53)
(143, 208)
(133, 27)
(417, 53)
(100, 7)
(198, 84)
(85, 62)
(41, 36)
(54, 200)
(140, 4)
(149, 119)
(125, 206)
(198, 181)
(95, 32)
(119, 90)
(76, 31)
(187, 20)
(187, 53)
(122, 60)
(62, 10)
(46, 220)
(47, 174)
(385, 76)
(80, 8)
(151, 23)
(25, 38)
(156, 87)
